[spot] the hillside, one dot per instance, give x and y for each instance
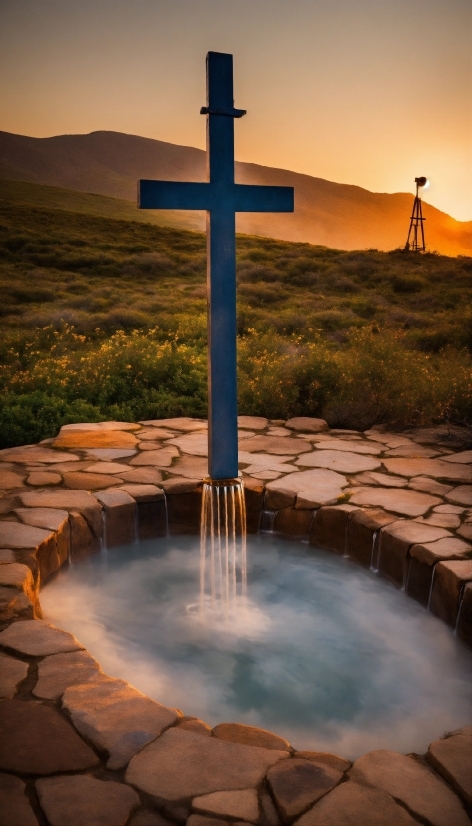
(95, 261)
(331, 214)
(355, 337)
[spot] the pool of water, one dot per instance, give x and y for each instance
(320, 651)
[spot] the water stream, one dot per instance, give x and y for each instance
(223, 567)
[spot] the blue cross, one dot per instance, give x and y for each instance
(221, 198)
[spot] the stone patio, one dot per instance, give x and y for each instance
(78, 748)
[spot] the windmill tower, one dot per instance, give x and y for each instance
(415, 240)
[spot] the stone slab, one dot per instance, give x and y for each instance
(142, 476)
(413, 451)
(38, 639)
(84, 427)
(276, 445)
(437, 468)
(10, 480)
(428, 553)
(293, 521)
(461, 494)
(395, 542)
(15, 809)
(449, 580)
(17, 535)
(463, 458)
(116, 717)
(155, 433)
(194, 443)
(51, 518)
(12, 672)
(143, 493)
(70, 500)
(98, 438)
(15, 605)
(452, 758)
(161, 458)
(43, 478)
(145, 445)
(411, 783)
(37, 455)
(114, 498)
(85, 801)
(59, 671)
(90, 481)
(352, 804)
(67, 467)
(307, 424)
(107, 467)
(191, 467)
(403, 502)
(250, 736)
(427, 485)
(178, 485)
(110, 454)
(252, 422)
(333, 760)
(339, 460)
(239, 804)
(19, 576)
(441, 520)
(382, 479)
(197, 765)
(296, 784)
(314, 487)
(195, 725)
(36, 739)
(350, 446)
(263, 462)
(329, 528)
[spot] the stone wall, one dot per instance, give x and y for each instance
(78, 747)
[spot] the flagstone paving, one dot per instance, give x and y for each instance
(79, 747)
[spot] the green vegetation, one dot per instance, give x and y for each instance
(104, 317)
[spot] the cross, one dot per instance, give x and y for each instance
(221, 197)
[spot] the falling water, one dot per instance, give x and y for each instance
(223, 571)
(431, 588)
(374, 537)
(103, 539)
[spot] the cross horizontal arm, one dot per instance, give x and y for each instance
(173, 195)
(239, 197)
(263, 198)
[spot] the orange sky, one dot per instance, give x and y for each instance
(367, 92)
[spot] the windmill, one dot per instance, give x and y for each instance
(415, 240)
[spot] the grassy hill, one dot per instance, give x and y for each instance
(332, 214)
(106, 316)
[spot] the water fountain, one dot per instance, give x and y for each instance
(223, 567)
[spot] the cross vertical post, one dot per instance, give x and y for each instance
(221, 275)
(221, 197)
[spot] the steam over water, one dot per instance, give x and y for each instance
(320, 651)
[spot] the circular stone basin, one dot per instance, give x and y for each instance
(322, 652)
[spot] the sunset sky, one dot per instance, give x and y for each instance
(367, 92)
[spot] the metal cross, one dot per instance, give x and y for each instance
(222, 198)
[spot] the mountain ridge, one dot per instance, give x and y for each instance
(344, 216)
